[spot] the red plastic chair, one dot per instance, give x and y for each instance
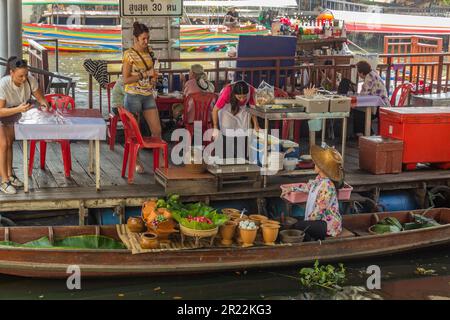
(405, 90)
(60, 102)
(279, 93)
(113, 119)
(134, 141)
(202, 104)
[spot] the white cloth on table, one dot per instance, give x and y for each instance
(40, 125)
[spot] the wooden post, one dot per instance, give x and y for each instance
(344, 139)
(277, 73)
(120, 211)
(388, 73)
(90, 94)
(368, 121)
(82, 213)
(218, 73)
(91, 156)
(439, 74)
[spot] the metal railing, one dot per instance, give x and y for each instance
(51, 75)
(430, 69)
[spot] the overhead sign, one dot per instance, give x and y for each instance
(150, 8)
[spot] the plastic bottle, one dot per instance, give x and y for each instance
(165, 85)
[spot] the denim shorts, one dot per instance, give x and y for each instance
(10, 120)
(136, 103)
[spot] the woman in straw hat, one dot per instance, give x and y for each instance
(322, 216)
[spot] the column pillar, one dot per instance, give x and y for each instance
(15, 28)
(3, 33)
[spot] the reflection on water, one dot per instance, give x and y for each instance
(398, 281)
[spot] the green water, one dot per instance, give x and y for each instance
(398, 281)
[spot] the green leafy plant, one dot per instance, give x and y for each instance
(323, 276)
(183, 213)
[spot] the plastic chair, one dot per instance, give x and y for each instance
(113, 119)
(134, 141)
(280, 93)
(405, 90)
(57, 102)
(202, 104)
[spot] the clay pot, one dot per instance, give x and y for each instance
(229, 211)
(227, 231)
(258, 219)
(292, 236)
(270, 233)
(164, 229)
(135, 224)
(274, 222)
(248, 236)
(237, 215)
(288, 223)
(149, 240)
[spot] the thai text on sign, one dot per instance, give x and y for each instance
(147, 8)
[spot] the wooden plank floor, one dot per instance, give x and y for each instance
(51, 184)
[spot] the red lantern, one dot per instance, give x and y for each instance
(324, 16)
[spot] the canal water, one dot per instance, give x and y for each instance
(398, 281)
(398, 273)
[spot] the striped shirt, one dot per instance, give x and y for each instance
(145, 86)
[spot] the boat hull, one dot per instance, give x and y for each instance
(53, 263)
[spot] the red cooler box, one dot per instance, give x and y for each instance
(425, 132)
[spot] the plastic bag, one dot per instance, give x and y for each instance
(265, 94)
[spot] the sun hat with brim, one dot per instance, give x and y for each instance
(329, 160)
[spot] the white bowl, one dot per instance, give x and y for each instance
(290, 164)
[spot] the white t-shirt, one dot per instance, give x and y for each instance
(14, 95)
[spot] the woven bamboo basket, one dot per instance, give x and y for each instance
(198, 233)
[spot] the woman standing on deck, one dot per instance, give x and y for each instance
(139, 78)
(17, 88)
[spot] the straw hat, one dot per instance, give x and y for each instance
(329, 160)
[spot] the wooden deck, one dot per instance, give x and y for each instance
(50, 190)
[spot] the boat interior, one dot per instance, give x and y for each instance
(353, 226)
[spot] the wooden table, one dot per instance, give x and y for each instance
(78, 124)
(267, 116)
(367, 103)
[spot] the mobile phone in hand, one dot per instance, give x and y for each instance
(33, 103)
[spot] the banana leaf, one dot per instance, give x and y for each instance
(76, 242)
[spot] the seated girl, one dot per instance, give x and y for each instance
(322, 217)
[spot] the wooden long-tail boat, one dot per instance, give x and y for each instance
(355, 242)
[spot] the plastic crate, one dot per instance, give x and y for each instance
(301, 197)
